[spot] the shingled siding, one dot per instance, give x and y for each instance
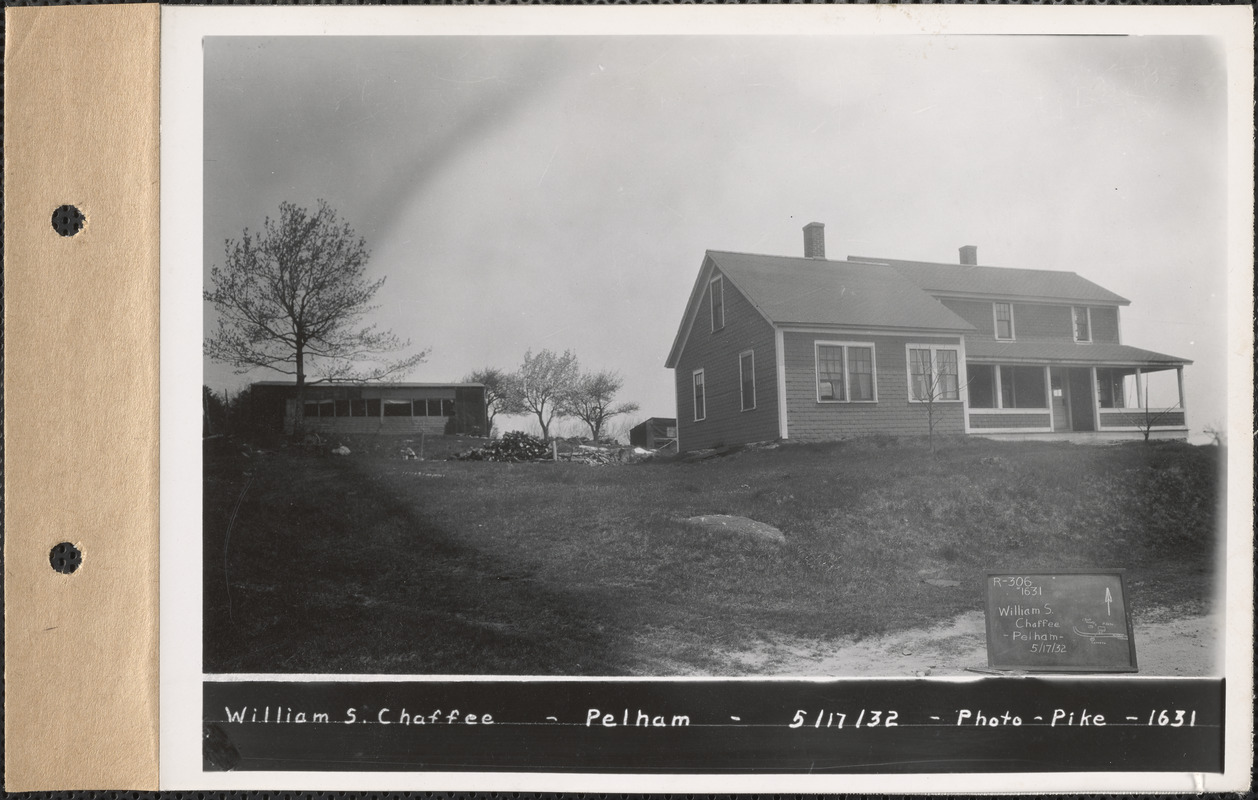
(717, 354)
(1035, 321)
(980, 421)
(810, 420)
(1135, 419)
(431, 426)
(1105, 324)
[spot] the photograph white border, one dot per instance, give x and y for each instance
(181, 336)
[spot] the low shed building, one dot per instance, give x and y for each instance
(656, 433)
(377, 408)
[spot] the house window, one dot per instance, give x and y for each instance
(358, 408)
(1023, 387)
(447, 408)
(1111, 385)
(1004, 320)
(716, 297)
(747, 379)
(1082, 323)
(933, 374)
(701, 406)
(845, 373)
(982, 385)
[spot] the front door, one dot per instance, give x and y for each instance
(1079, 397)
(1061, 412)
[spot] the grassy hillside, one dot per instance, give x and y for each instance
(367, 563)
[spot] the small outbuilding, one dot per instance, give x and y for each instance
(656, 433)
(375, 408)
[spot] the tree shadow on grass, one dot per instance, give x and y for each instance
(309, 567)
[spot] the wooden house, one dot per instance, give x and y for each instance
(808, 348)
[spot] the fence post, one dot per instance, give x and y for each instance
(421, 445)
(554, 449)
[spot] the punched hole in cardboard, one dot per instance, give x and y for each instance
(65, 558)
(68, 220)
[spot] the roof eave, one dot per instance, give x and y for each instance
(1116, 300)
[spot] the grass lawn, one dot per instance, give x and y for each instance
(367, 563)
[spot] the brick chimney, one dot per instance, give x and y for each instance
(814, 240)
(969, 256)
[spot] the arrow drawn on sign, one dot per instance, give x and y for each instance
(1108, 599)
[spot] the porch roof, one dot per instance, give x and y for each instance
(1118, 355)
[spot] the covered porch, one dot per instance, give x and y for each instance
(1094, 392)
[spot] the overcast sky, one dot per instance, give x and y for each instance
(559, 192)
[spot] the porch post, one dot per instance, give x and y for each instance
(1048, 390)
(1179, 379)
(1139, 390)
(1000, 399)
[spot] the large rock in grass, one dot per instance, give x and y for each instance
(738, 526)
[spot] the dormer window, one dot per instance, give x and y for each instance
(716, 297)
(1004, 320)
(1082, 323)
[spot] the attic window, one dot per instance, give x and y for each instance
(1082, 323)
(1004, 320)
(716, 298)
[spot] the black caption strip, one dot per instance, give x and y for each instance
(718, 727)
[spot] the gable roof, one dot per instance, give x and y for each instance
(790, 290)
(1040, 284)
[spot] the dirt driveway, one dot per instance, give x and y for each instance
(1167, 644)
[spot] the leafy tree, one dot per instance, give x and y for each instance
(292, 298)
(592, 400)
(497, 392)
(540, 386)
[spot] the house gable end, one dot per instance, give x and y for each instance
(698, 308)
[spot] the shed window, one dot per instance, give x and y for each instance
(397, 408)
(716, 298)
(747, 379)
(1082, 322)
(447, 408)
(700, 402)
(1004, 320)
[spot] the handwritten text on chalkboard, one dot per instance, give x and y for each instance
(1059, 622)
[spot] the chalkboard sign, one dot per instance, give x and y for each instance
(1073, 621)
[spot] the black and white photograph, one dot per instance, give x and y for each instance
(695, 360)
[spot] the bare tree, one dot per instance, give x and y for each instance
(292, 298)
(1150, 419)
(592, 400)
(497, 392)
(540, 385)
(933, 384)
